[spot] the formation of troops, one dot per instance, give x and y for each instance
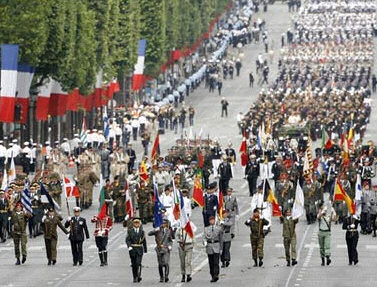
(322, 93)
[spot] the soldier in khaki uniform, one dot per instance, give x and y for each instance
(55, 187)
(285, 192)
(142, 202)
(185, 248)
(19, 219)
(50, 225)
(119, 198)
(289, 237)
(86, 181)
(256, 224)
(311, 194)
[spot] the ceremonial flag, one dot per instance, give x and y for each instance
(112, 88)
(298, 206)
(83, 133)
(221, 204)
(26, 201)
(358, 193)
(43, 101)
(197, 194)
(340, 194)
(243, 151)
(129, 205)
(12, 171)
(9, 60)
(101, 197)
(73, 100)
(272, 199)
(46, 198)
(158, 206)
(58, 100)
(106, 123)
(351, 132)
(156, 149)
(4, 183)
(200, 159)
(138, 77)
(24, 78)
(184, 220)
(326, 141)
(177, 204)
(143, 172)
(103, 212)
(98, 90)
(71, 190)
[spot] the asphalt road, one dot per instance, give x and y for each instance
(274, 273)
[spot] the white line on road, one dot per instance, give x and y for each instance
(298, 255)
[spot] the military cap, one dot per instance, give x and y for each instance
(212, 185)
(166, 221)
(51, 209)
(136, 219)
(212, 218)
(76, 208)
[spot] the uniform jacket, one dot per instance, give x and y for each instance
(136, 240)
(183, 238)
(19, 220)
(231, 204)
(225, 171)
(50, 226)
(103, 226)
(226, 226)
(256, 227)
(289, 227)
(78, 228)
(164, 239)
(213, 238)
(211, 204)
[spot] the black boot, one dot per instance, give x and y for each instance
(294, 262)
(188, 278)
(255, 263)
(134, 273)
(139, 274)
(23, 259)
(260, 262)
(183, 278)
(18, 261)
(374, 233)
(288, 263)
(166, 273)
(161, 272)
(328, 260)
(105, 257)
(100, 255)
(323, 261)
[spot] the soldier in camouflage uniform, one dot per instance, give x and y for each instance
(19, 219)
(119, 200)
(142, 197)
(285, 192)
(55, 187)
(311, 190)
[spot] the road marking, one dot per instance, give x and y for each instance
(35, 248)
(341, 246)
(278, 245)
(298, 255)
(371, 246)
(311, 245)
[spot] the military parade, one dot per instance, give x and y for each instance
(250, 159)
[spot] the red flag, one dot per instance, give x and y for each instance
(156, 148)
(143, 171)
(177, 203)
(340, 194)
(197, 194)
(58, 100)
(103, 212)
(73, 100)
(221, 204)
(200, 159)
(70, 188)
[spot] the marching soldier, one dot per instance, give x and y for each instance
(289, 237)
(350, 223)
(225, 174)
(78, 232)
(142, 197)
(164, 240)
(231, 206)
(256, 224)
(137, 245)
(285, 192)
(55, 187)
(185, 247)
(211, 203)
(4, 209)
(119, 198)
(325, 217)
(252, 173)
(213, 241)
(101, 233)
(19, 219)
(227, 224)
(50, 225)
(310, 195)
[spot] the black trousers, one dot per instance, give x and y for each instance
(351, 239)
(213, 260)
(101, 243)
(223, 185)
(76, 247)
(225, 256)
(252, 185)
(136, 257)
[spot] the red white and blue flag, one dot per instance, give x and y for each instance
(138, 77)
(43, 101)
(9, 64)
(24, 78)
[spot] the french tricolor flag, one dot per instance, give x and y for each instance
(58, 100)
(9, 60)
(43, 101)
(24, 78)
(138, 78)
(98, 90)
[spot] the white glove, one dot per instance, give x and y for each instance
(261, 216)
(280, 208)
(352, 226)
(221, 221)
(68, 218)
(248, 221)
(126, 218)
(169, 247)
(215, 208)
(205, 243)
(129, 248)
(68, 234)
(157, 229)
